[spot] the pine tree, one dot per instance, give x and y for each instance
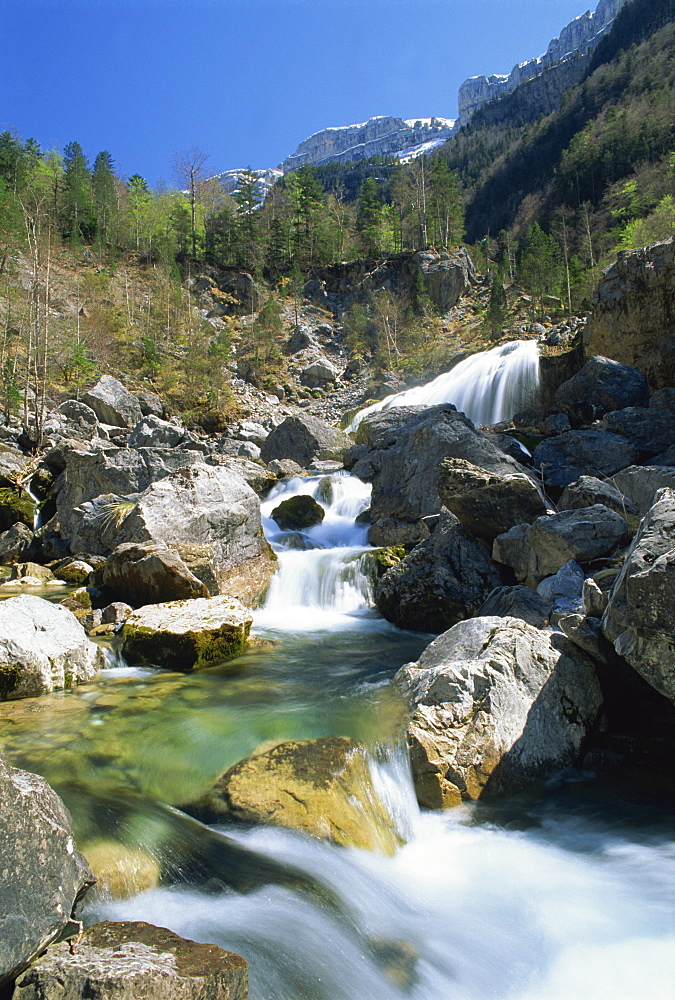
(78, 219)
(105, 197)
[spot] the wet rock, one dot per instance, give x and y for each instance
(149, 573)
(121, 871)
(599, 386)
(43, 648)
(566, 458)
(389, 531)
(639, 619)
(588, 490)
(304, 439)
(488, 504)
(640, 483)
(516, 602)
(442, 581)
(15, 543)
(495, 705)
(112, 403)
(322, 787)
(130, 960)
(187, 635)
(44, 876)
(298, 513)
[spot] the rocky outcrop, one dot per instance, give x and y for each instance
(639, 619)
(149, 574)
(43, 648)
(633, 317)
(640, 483)
(305, 439)
(187, 635)
(112, 403)
(44, 876)
(495, 704)
(322, 787)
(129, 960)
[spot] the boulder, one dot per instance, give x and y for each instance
(639, 619)
(41, 573)
(389, 531)
(303, 439)
(153, 432)
(640, 483)
(115, 613)
(187, 635)
(43, 648)
(78, 413)
(649, 431)
(149, 573)
(285, 467)
(298, 513)
(666, 457)
(112, 403)
(254, 473)
(599, 386)
(319, 373)
(16, 506)
(150, 403)
(587, 491)
(563, 591)
(298, 341)
(564, 459)
(322, 787)
(495, 705)
(541, 549)
(248, 450)
(442, 581)
(130, 960)
(44, 876)
(12, 465)
(446, 276)
(516, 602)
(663, 399)
(74, 571)
(15, 543)
(488, 504)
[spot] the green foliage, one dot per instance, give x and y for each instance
(356, 326)
(658, 225)
(498, 304)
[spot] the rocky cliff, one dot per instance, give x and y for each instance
(382, 136)
(633, 319)
(575, 44)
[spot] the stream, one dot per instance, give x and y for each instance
(562, 894)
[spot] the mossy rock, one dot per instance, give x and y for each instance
(15, 507)
(42, 483)
(298, 513)
(377, 562)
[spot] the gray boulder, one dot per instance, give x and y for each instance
(650, 431)
(442, 581)
(539, 550)
(666, 457)
(564, 459)
(495, 705)
(446, 276)
(298, 341)
(663, 399)
(130, 960)
(319, 373)
(112, 403)
(304, 439)
(15, 544)
(150, 403)
(488, 504)
(640, 483)
(43, 648)
(516, 602)
(44, 876)
(149, 574)
(78, 413)
(599, 386)
(639, 619)
(153, 432)
(587, 491)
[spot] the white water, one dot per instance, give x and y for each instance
(488, 387)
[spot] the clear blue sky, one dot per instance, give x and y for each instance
(246, 80)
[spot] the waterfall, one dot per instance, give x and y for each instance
(488, 387)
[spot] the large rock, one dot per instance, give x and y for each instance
(564, 459)
(305, 439)
(599, 386)
(640, 616)
(112, 403)
(516, 602)
(322, 787)
(442, 581)
(587, 491)
(15, 543)
(187, 635)
(134, 960)
(488, 504)
(298, 513)
(640, 483)
(400, 451)
(44, 876)
(632, 313)
(649, 431)
(495, 705)
(539, 550)
(206, 513)
(43, 648)
(153, 432)
(149, 574)
(319, 373)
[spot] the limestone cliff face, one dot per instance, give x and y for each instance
(577, 39)
(383, 136)
(633, 319)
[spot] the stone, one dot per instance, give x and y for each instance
(304, 439)
(319, 373)
(150, 403)
(649, 431)
(563, 591)
(443, 580)
(259, 478)
(74, 571)
(594, 598)
(112, 403)
(599, 386)
(322, 787)
(556, 423)
(588, 490)
(149, 573)
(78, 412)
(640, 483)
(487, 504)
(15, 544)
(542, 548)
(43, 648)
(639, 619)
(494, 706)
(153, 432)
(389, 531)
(250, 430)
(565, 458)
(187, 635)
(15, 506)
(115, 613)
(130, 960)
(298, 513)
(516, 602)
(298, 341)
(44, 876)
(121, 870)
(663, 399)
(23, 569)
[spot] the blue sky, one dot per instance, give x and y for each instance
(246, 80)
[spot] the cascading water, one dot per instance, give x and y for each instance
(488, 387)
